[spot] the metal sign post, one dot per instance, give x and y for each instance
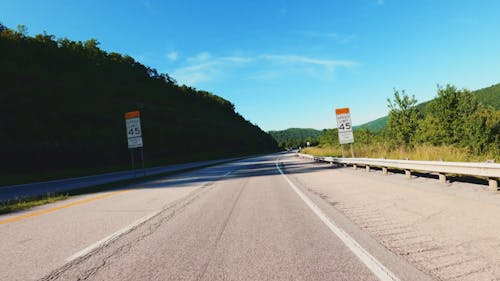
(344, 127)
(142, 160)
(134, 136)
(132, 159)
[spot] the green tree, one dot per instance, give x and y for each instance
(403, 118)
(430, 131)
(91, 44)
(482, 131)
(329, 137)
(294, 137)
(456, 117)
(2, 27)
(22, 30)
(450, 117)
(363, 136)
(47, 39)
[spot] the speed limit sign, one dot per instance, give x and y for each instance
(344, 125)
(134, 133)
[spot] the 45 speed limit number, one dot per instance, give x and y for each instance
(133, 128)
(344, 123)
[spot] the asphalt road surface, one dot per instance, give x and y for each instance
(247, 220)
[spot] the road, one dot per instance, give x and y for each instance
(253, 219)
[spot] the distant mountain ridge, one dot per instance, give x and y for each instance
(294, 137)
(489, 96)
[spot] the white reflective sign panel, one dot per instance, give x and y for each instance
(133, 127)
(344, 126)
(134, 142)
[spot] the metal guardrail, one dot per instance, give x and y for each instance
(65, 185)
(491, 171)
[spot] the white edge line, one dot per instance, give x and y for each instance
(105, 241)
(111, 238)
(370, 261)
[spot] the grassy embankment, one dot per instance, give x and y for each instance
(18, 205)
(423, 152)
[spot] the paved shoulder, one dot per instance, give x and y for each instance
(448, 231)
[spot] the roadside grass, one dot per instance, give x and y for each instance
(27, 203)
(421, 152)
(325, 151)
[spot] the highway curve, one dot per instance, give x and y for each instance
(247, 220)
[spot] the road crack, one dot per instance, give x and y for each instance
(171, 209)
(221, 232)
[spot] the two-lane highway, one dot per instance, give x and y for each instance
(240, 221)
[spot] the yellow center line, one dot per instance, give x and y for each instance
(46, 211)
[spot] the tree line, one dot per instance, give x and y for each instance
(455, 117)
(295, 137)
(456, 120)
(62, 104)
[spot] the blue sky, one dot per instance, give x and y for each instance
(290, 63)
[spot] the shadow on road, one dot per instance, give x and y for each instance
(253, 167)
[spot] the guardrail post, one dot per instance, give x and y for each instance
(442, 178)
(493, 184)
(489, 171)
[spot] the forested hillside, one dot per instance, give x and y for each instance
(295, 137)
(62, 104)
(489, 97)
(455, 126)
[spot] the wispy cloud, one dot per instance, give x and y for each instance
(204, 67)
(333, 35)
(200, 57)
(173, 56)
(338, 37)
(294, 59)
(238, 60)
(380, 2)
(194, 74)
(348, 38)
